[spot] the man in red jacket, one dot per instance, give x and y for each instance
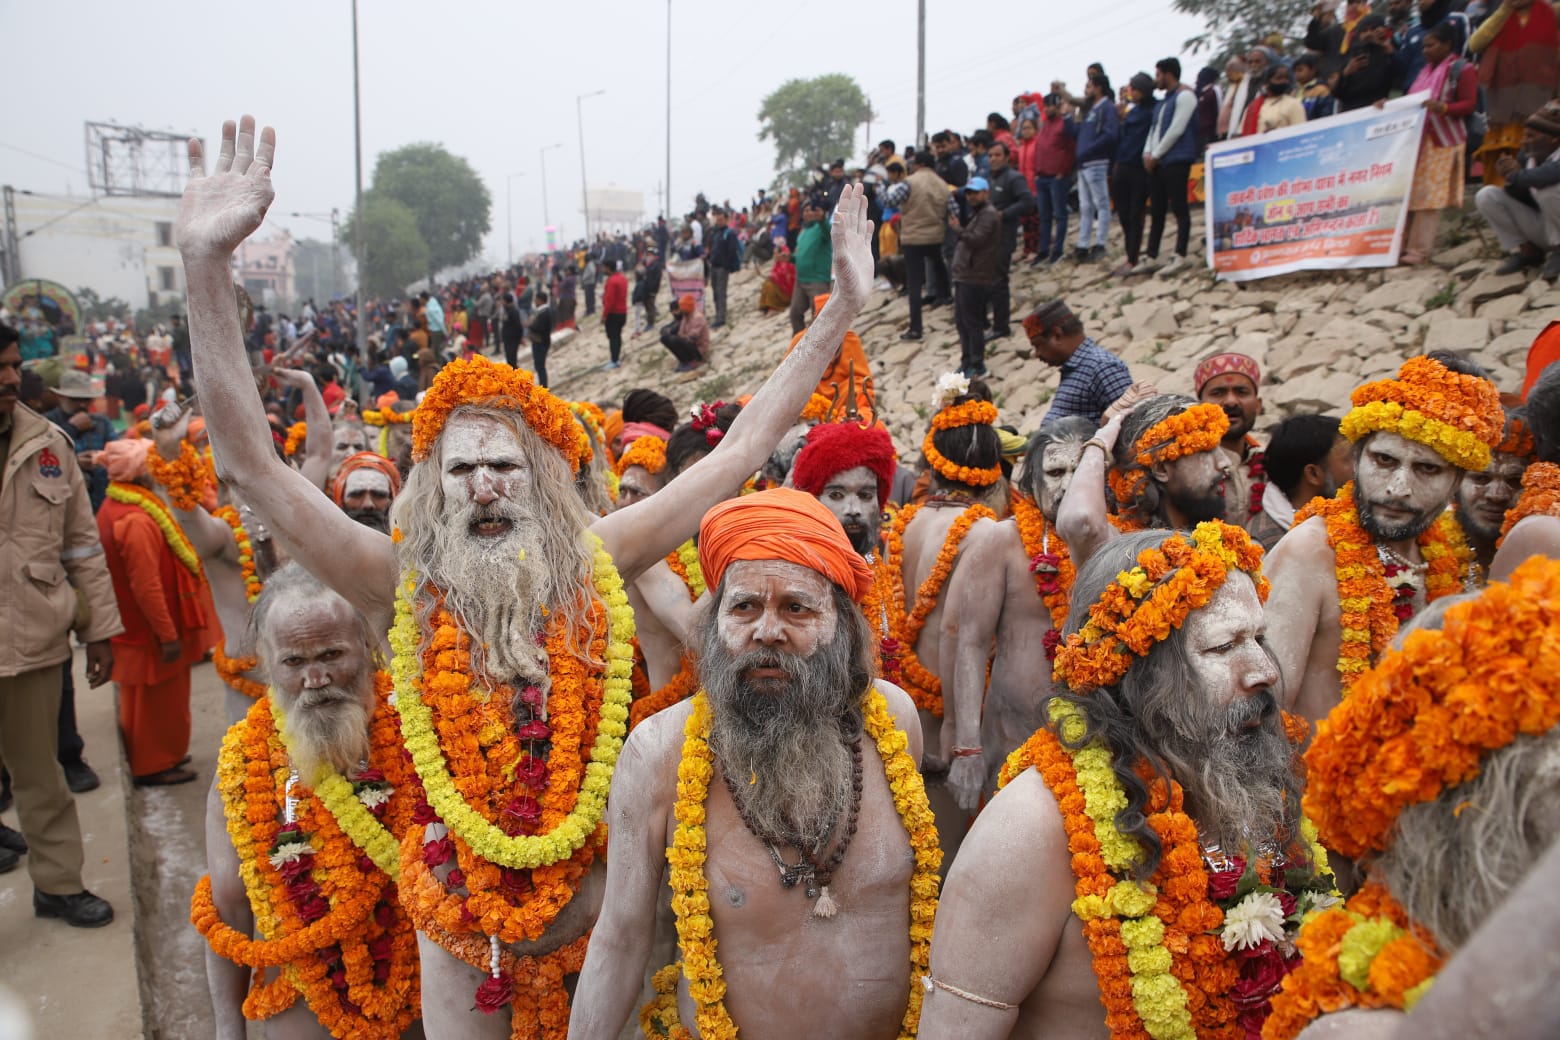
(163, 600)
(614, 313)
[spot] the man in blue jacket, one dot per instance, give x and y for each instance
(1098, 132)
(1168, 156)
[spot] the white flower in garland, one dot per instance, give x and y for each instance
(950, 387)
(288, 851)
(373, 797)
(1256, 919)
(1314, 902)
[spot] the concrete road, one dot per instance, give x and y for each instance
(144, 974)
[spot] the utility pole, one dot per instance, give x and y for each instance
(668, 213)
(920, 74)
(335, 249)
(584, 190)
(542, 158)
(357, 225)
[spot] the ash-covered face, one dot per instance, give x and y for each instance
(347, 440)
(322, 677)
(1401, 486)
(484, 472)
(852, 496)
(366, 498)
(1194, 484)
(1483, 498)
(1058, 462)
(773, 605)
(635, 485)
(1225, 643)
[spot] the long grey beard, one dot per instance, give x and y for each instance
(494, 593)
(328, 727)
(782, 743)
(1241, 786)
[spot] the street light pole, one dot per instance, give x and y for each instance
(668, 213)
(509, 215)
(357, 224)
(584, 190)
(541, 154)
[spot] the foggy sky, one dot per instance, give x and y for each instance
(494, 82)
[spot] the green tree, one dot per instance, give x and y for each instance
(1235, 26)
(811, 121)
(96, 308)
(451, 205)
(395, 254)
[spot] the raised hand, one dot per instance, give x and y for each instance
(169, 425)
(852, 234)
(295, 378)
(221, 210)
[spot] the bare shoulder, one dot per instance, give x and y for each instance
(1532, 536)
(1020, 825)
(903, 711)
(1304, 545)
(653, 749)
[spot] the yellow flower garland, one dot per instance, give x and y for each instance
(688, 569)
(486, 840)
(173, 534)
(352, 816)
(690, 888)
(253, 586)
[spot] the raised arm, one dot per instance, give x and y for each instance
(228, 982)
(211, 538)
(645, 532)
(1294, 606)
(217, 213)
(973, 609)
(643, 791)
(320, 440)
(1083, 517)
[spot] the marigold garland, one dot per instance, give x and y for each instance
(479, 381)
(1364, 954)
(684, 562)
(253, 586)
(184, 478)
(1144, 604)
(1161, 967)
(385, 417)
(817, 409)
(1540, 496)
(924, 687)
(1049, 562)
(1198, 429)
(690, 887)
(231, 670)
(1459, 416)
(173, 534)
(1366, 616)
(648, 451)
(297, 435)
(328, 913)
(1519, 441)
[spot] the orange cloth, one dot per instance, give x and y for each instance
(612, 426)
(1543, 353)
(160, 601)
(155, 722)
(364, 460)
(836, 376)
(125, 458)
(781, 524)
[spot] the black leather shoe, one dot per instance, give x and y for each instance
(12, 840)
(80, 777)
(910, 337)
(8, 861)
(82, 910)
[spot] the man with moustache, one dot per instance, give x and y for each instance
(1306, 458)
(365, 486)
(1007, 604)
(848, 466)
(1484, 497)
(1356, 566)
(1096, 875)
(783, 797)
(512, 634)
(1164, 470)
(1233, 382)
(328, 720)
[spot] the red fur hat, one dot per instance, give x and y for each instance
(833, 448)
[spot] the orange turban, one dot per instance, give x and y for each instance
(612, 426)
(125, 458)
(781, 524)
(364, 460)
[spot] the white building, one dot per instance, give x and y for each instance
(115, 245)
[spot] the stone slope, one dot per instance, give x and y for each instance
(1317, 335)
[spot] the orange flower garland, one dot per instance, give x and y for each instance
(970, 413)
(1366, 616)
(246, 552)
(1144, 604)
(1198, 429)
(684, 562)
(1540, 496)
(1519, 441)
(479, 381)
(1459, 416)
(345, 945)
(924, 687)
(297, 433)
(231, 671)
(184, 478)
(1050, 563)
(1364, 954)
(648, 451)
